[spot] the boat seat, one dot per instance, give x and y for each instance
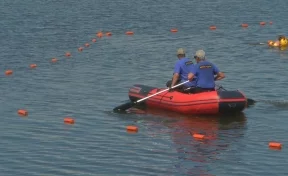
(194, 90)
(189, 90)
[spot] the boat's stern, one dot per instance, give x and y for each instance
(231, 101)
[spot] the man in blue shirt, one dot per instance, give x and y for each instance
(181, 69)
(205, 71)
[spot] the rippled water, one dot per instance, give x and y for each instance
(88, 85)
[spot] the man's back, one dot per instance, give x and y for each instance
(205, 72)
(183, 67)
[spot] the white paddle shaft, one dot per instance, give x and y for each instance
(161, 91)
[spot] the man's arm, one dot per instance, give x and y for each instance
(177, 70)
(219, 76)
(190, 76)
(174, 79)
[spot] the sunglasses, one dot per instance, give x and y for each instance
(195, 57)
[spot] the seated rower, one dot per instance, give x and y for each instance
(181, 69)
(205, 71)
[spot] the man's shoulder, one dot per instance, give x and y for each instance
(188, 62)
(178, 62)
(182, 61)
(207, 62)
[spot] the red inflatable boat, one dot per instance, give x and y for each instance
(214, 102)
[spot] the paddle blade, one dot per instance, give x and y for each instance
(124, 107)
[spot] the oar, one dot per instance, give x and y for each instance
(128, 105)
(257, 43)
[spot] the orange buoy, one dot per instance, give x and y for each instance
(99, 34)
(132, 128)
(53, 60)
(108, 34)
(69, 120)
(244, 25)
(212, 27)
(270, 22)
(67, 54)
(33, 66)
(80, 49)
(262, 23)
(87, 45)
(275, 145)
(129, 33)
(8, 72)
(22, 112)
(174, 30)
(94, 40)
(198, 136)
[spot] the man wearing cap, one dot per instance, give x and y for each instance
(181, 69)
(205, 72)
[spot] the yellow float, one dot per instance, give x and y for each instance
(281, 42)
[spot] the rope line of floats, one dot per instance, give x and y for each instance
(133, 128)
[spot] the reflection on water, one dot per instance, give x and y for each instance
(193, 155)
(281, 48)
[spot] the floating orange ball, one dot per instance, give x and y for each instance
(93, 40)
(68, 54)
(108, 34)
(244, 25)
(33, 66)
(8, 72)
(99, 34)
(69, 120)
(129, 33)
(198, 136)
(80, 49)
(22, 112)
(53, 60)
(212, 27)
(132, 128)
(276, 145)
(262, 23)
(87, 45)
(174, 30)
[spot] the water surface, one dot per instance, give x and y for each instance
(88, 85)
